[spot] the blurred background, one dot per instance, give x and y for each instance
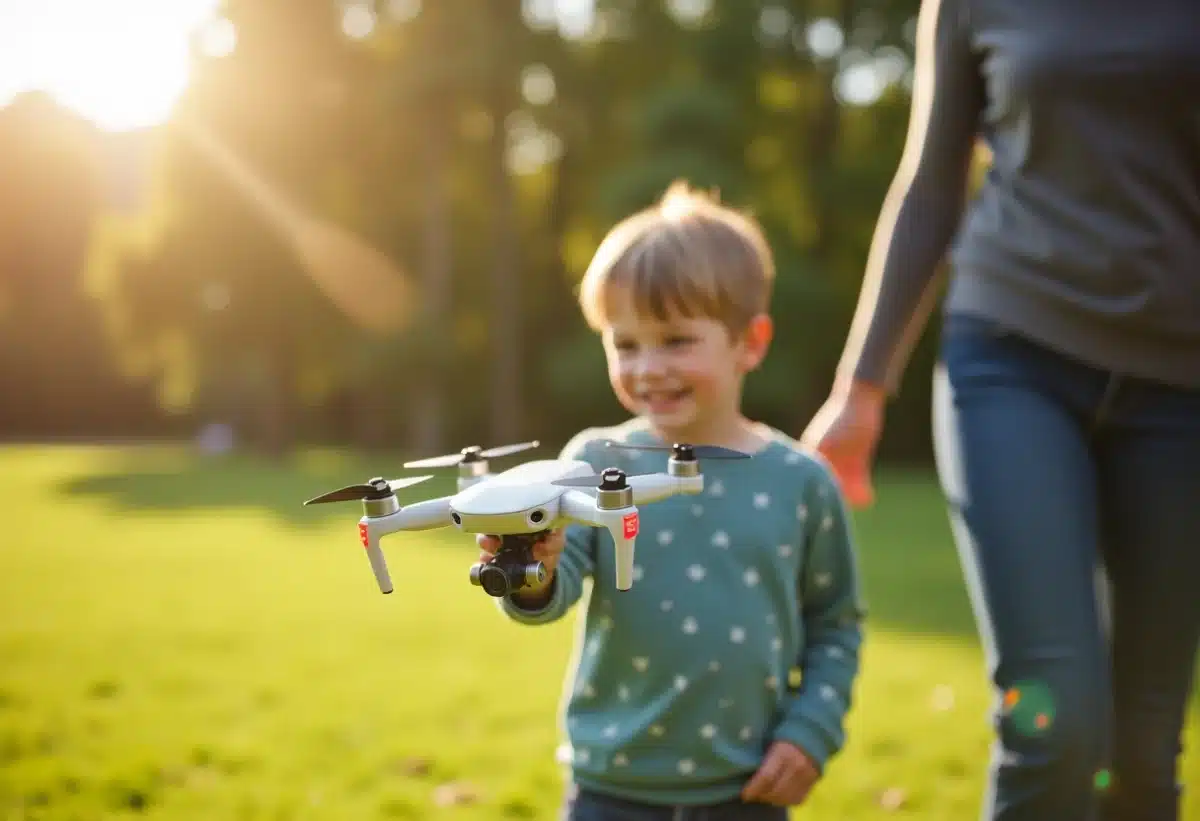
(482, 148)
(251, 250)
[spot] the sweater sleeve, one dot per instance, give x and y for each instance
(576, 563)
(923, 207)
(832, 611)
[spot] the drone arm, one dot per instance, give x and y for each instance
(426, 515)
(621, 523)
(420, 516)
(579, 506)
(654, 487)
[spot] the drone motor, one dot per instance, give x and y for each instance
(613, 492)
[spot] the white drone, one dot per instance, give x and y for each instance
(522, 503)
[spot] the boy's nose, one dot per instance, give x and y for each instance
(648, 365)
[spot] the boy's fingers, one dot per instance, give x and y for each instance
(548, 546)
(788, 788)
(763, 782)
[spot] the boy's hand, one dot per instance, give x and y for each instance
(845, 432)
(547, 551)
(784, 778)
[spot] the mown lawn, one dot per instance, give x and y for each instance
(185, 641)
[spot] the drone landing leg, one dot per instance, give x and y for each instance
(513, 566)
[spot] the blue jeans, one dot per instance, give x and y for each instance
(1054, 472)
(584, 805)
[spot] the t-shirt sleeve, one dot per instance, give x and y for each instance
(577, 562)
(923, 207)
(814, 716)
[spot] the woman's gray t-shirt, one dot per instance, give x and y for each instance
(1085, 234)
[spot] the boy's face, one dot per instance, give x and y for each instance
(684, 374)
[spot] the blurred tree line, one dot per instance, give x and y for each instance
(485, 147)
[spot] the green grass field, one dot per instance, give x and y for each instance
(185, 641)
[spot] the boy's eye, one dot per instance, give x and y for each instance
(670, 341)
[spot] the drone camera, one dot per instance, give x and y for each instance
(512, 568)
(499, 580)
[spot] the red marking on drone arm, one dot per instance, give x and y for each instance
(630, 523)
(362, 534)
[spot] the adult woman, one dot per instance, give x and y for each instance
(1067, 398)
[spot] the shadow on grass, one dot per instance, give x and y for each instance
(172, 480)
(910, 570)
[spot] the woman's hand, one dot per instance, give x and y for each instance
(846, 431)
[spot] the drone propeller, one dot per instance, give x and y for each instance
(684, 451)
(608, 479)
(471, 454)
(377, 488)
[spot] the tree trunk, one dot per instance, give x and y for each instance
(428, 420)
(507, 318)
(823, 139)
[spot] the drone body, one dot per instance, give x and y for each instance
(521, 505)
(509, 499)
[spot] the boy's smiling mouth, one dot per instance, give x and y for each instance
(662, 398)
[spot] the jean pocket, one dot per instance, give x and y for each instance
(976, 346)
(963, 327)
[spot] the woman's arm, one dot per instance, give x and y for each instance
(924, 203)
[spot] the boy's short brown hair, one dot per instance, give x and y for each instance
(687, 253)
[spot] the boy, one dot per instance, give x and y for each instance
(681, 697)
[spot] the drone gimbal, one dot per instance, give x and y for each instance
(522, 504)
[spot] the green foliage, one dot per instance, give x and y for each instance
(577, 379)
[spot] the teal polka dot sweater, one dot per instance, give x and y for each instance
(743, 626)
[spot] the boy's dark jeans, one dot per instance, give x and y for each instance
(1050, 466)
(584, 805)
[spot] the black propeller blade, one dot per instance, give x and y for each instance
(685, 451)
(609, 479)
(375, 489)
(474, 453)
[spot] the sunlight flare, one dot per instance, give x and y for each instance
(121, 64)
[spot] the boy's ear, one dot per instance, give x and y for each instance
(756, 339)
